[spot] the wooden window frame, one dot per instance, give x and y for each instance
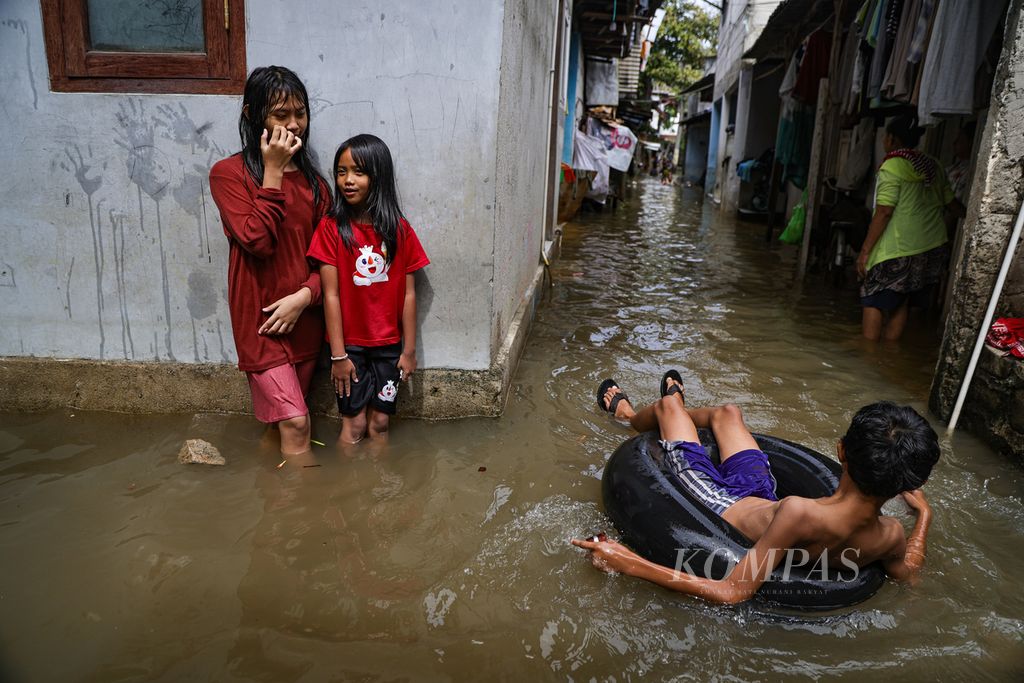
(74, 67)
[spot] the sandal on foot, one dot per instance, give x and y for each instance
(676, 388)
(603, 389)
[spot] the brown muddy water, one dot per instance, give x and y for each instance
(446, 556)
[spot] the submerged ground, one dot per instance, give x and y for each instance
(446, 556)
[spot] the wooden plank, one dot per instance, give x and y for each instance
(814, 176)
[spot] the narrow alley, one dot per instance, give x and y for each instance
(447, 557)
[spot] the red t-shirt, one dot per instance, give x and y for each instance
(372, 293)
(268, 233)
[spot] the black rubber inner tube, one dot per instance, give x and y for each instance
(663, 522)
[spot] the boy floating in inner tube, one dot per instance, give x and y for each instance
(887, 450)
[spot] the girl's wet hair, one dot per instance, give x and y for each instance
(373, 158)
(266, 87)
(889, 449)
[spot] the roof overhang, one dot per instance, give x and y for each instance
(594, 19)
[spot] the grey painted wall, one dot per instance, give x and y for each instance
(113, 249)
(524, 120)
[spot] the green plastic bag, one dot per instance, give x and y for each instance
(794, 232)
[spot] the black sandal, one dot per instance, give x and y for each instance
(677, 388)
(603, 389)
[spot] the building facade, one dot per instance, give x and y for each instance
(114, 259)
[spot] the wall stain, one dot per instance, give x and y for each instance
(117, 238)
(7, 276)
(67, 289)
(81, 168)
(190, 194)
(455, 121)
(22, 26)
(149, 169)
(223, 350)
(202, 295)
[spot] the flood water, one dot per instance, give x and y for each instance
(446, 556)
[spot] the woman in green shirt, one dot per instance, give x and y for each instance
(906, 248)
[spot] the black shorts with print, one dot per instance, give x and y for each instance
(377, 371)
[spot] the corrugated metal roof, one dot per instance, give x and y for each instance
(789, 18)
(707, 81)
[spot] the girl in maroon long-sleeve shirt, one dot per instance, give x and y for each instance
(271, 198)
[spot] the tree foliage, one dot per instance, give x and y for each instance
(687, 36)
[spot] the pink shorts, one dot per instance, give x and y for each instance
(280, 393)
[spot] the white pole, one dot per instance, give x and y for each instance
(1011, 248)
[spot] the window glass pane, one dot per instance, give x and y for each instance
(146, 25)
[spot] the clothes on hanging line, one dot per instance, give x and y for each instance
(960, 36)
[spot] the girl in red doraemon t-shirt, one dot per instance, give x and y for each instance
(368, 253)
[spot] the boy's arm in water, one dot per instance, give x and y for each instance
(905, 560)
(789, 529)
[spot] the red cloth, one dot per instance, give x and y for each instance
(268, 232)
(1007, 335)
(813, 67)
(923, 164)
(568, 173)
(372, 296)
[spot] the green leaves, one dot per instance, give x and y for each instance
(688, 35)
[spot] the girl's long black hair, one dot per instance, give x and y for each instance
(266, 87)
(374, 158)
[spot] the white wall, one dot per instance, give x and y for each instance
(115, 249)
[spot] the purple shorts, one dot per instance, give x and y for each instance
(743, 475)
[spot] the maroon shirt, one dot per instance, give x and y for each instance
(268, 232)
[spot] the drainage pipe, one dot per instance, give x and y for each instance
(1011, 248)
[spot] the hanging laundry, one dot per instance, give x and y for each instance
(886, 40)
(960, 36)
(813, 66)
(919, 40)
(900, 74)
(842, 84)
(602, 82)
(874, 23)
(860, 156)
(589, 154)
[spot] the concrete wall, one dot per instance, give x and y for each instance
(740, 26)
(113, 248)
(523, 120)
(993, 408)
(738, 31)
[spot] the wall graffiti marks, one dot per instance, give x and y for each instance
(183, 130)
(117, 239)
(150, 171)
(21, 26)
(81, 168)
(7, 275)
(147, 166)
(166, 283)
(67, 289)
(190, 195)
(455, 121)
